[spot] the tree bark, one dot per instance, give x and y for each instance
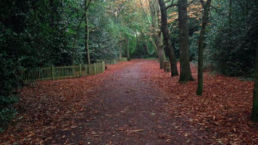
(155, 12)
(120, 53)
(205, 18)
(164, 29)
(87, 35)
(128, 50)
(161, 58)
(229, 22)
(185, 70)
(254, 116)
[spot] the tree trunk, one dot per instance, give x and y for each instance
(128, 50)
(229, 17)
(155, 12)
(229, 22)
(120, 53)
(185, 70)
(161, 58)
(205, 18)
(164, 29)
(254, 116)
(87, 36)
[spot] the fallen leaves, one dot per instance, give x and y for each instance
(222, 113)
(53, 106)
(220, 116)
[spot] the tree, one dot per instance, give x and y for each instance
(128, 49)
(231, 46)
(185, 70)
(156, 32)
(229, 21)
(87, 32)
(165, 32)
(206, 8)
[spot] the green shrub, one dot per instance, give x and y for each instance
(8, 84)
(230, 49)
(8, 112)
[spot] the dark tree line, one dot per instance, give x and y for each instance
(228, 48)
(42, 33)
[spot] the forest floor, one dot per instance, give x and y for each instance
(134, 103)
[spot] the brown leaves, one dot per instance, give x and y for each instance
(222, 113)
(53, 106)
(54, 110)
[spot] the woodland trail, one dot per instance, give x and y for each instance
(127, 110)
(134, 103)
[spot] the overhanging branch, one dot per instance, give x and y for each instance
(171, 5)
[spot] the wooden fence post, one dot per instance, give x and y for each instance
(53, 72)
(103, 66)
(80, 71)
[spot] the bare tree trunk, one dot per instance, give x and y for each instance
(206, 7)
(120, 53)
(161, 58)
(87, 36)
(161, 52)
(87, 32)
(155, 12)
(169, 47)
(185, 70)
(128, 50)
(229, 24)
(254, 116)
(229, 18)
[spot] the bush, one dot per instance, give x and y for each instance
(231, 50)
(7, 112)
(8, 84)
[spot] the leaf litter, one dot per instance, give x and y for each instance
(51, 106)
(222, 113)
(220, 116)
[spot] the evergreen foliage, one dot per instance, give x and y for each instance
(230, 47)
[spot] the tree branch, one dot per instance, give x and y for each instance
(87, 4)
(203, 3)
(171, 5)
(191, 2)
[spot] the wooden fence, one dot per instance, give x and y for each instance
(123, 59)
(114, 61)
(62, 72)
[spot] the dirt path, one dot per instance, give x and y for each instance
(127, 110)
(134, 103)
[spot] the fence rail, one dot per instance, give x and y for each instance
(113, 61)
(123, 59)
(62, 72)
